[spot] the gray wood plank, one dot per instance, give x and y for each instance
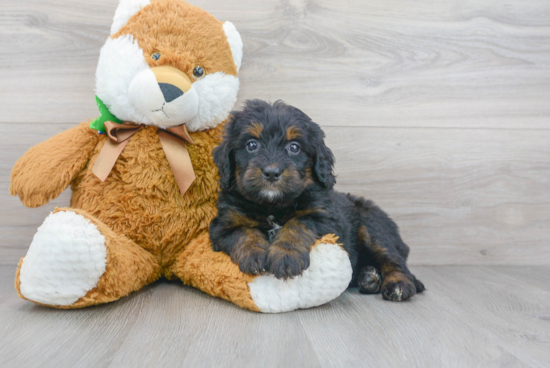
(195, 330)
(533, 275)
(460, 196)
(500, 305)
(350, 63)
(469, 316)
(35, 336)
(466, 318)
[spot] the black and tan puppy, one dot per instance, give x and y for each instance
(276, 199)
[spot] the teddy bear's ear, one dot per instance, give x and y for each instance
(235, 42)
(125, 10)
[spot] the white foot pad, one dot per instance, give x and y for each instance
(328, 275)
(66, 259)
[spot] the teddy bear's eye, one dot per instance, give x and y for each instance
(155, 56)
(198, 72)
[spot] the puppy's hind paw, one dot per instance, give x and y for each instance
(419, 286)
(369, 280)
(397, 289)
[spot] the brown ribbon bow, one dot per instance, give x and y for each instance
(172, 140)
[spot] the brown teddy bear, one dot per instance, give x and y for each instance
(143, 179)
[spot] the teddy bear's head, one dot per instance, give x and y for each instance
(167, 63)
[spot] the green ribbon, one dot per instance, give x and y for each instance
(105, 115)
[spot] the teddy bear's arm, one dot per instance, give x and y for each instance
(48, 168)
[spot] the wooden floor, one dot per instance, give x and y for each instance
(470, 316)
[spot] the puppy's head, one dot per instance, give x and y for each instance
(272, 153)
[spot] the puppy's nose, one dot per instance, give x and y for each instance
(170, 92)
(272, 173)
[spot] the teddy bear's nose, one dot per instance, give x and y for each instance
(170, 92)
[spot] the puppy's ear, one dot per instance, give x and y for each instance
(323, 162)
(223, 153)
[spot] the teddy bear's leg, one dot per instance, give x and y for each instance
(328, 275)
(75, 261)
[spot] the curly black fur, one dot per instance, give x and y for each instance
(276, 200)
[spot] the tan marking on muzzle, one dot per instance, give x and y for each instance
(170, 75)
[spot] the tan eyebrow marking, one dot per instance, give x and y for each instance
(293, 132)
(255, 129)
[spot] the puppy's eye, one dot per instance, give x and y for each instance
(155, 56)
(199, 72)
(251, 146)
(294, 147)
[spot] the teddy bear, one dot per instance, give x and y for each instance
(144, 184)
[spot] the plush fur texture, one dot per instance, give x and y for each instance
(217, 96)
(128, 268)
(141, 200)
(49, 167)
(235, 42)
(277, 178)
(138, 208)
(327, 277)
(213, 273)
(157, 28)
(136, 226)
(125, 10)
(120, 60)
(65, 244)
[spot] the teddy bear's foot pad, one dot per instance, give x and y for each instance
(328, 275)
(65, 260)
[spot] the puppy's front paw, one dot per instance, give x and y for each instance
(397, 288)
(285, 261)
(251, 259)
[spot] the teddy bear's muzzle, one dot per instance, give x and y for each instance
(165, 95)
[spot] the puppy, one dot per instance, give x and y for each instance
(276, 200)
